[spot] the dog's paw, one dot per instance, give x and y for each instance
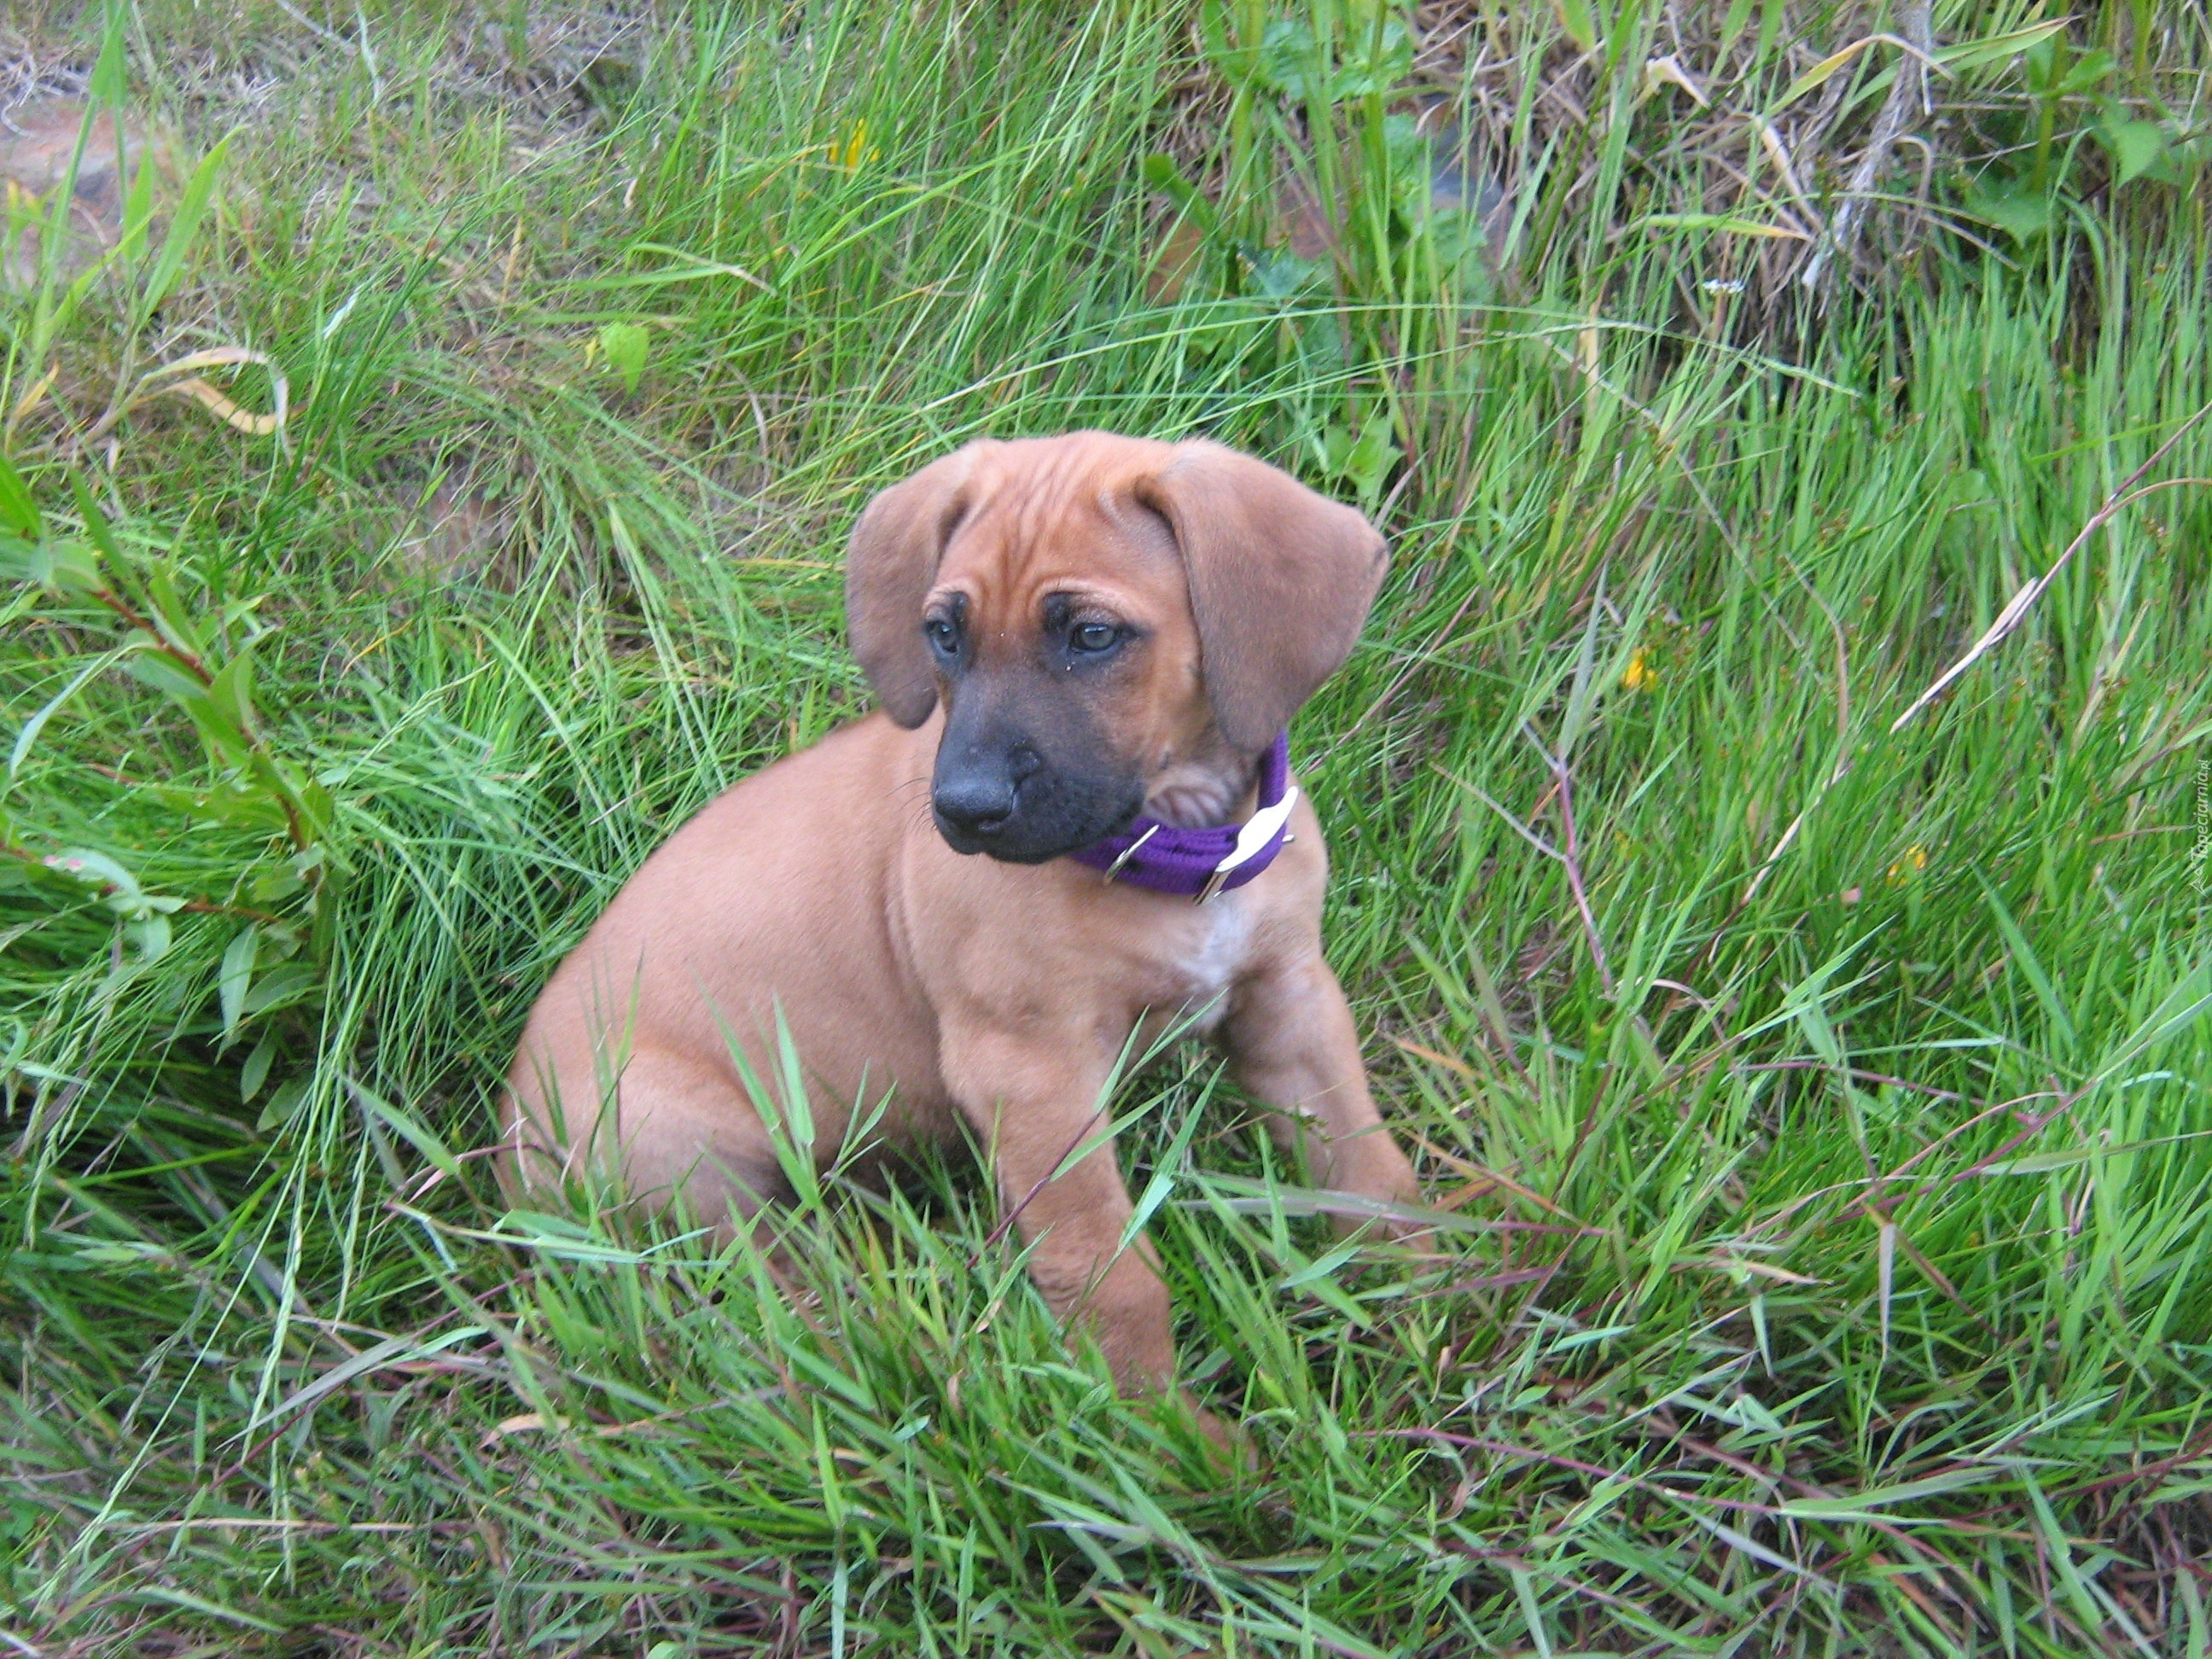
(1226, 1446)
(1415, 1239)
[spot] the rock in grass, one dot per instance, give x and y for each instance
(36, 144)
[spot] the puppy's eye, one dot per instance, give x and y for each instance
(1094, 636)
(943, 633)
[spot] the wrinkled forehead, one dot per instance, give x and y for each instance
(1047, 520)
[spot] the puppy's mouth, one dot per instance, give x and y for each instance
(1051, 818)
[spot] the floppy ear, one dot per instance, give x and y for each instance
(1280, 581)
(889, 563)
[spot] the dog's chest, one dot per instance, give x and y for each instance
(1209, 955)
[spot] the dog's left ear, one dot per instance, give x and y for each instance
(889, 563)
(1280, 581)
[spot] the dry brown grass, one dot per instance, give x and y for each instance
(1835, 145)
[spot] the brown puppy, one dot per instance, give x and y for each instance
(1063, 631)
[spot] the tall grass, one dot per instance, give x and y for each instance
(1822, 1104)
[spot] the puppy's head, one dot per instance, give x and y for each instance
(1106, 620)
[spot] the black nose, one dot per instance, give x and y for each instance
(974, 803)
(976, 792)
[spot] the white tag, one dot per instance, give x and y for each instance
(1258, 831)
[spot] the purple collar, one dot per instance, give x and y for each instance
(1200, 863)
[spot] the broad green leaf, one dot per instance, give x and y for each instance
(2041, 63)
(270, 885)
(97, 869)
(1384, 58)
(255, 1072)
(231, 691)
(1292, 56)
(1372, 456)
(280, 986)
(183, 226)
(2135, 146)
(1576, 19)
(626, 345)
(1289, 54)
(18, 512)
(234, 978)
(59, 567)
(171, 615)
(284, 1103)
(230, 802)
(1281, 275)
(2090, 71)
(2181, 163)
(316, 806)
(151, 933)
(2021, 211)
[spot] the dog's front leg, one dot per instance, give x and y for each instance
(1290, 1037)
(1035, 1100)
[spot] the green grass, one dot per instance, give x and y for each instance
(1833, 1275)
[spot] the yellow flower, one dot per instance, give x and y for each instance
(1914, 861)
(1638, 675)
(856, 151)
